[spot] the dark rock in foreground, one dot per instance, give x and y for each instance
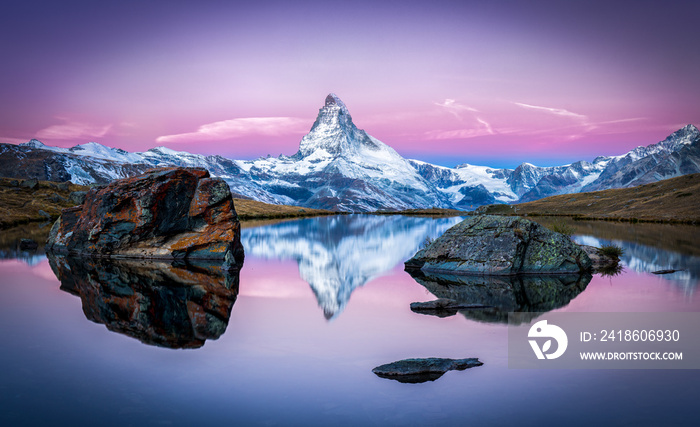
(442, 307)
(498, 245)
(173, 306)
(167, 213)
(498, 295)
(422, 370)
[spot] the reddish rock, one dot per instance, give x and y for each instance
(166, 213)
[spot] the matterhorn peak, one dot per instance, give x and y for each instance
(333, 114)
(334, 132)
(690, 130)
(332, 99)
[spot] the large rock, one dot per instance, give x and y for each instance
(167, 213)
(498, 245)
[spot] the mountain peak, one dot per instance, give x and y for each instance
(334, 113)
(334, 132)
(33, 143)
(689, 130)
(333, 100)
(683, 136)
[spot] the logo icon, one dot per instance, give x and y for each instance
(542, 330)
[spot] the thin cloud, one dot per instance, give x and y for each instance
(73, 130)
(236, 128)
(458, 134)
(486, 125)
(556, 111)
(455, 108)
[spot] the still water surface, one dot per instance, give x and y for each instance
(320, 303)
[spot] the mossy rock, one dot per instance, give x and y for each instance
(497, 245)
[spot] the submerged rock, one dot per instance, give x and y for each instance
(664, 271)
(173, 306)
(443, 307)
(422, 370)
(498, 245)
(167, 213)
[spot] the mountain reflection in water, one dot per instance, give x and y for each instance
(337, 254)
(647, 259)
(529, 295)
(153, 301)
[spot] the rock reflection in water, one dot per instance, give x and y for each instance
(527, 294)
(174, 306)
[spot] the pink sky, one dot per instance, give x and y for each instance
(547, 82)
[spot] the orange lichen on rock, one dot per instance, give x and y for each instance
(164, 213)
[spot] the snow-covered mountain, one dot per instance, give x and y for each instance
(470, 186)
(341, 167)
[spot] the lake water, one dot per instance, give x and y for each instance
(318, 304)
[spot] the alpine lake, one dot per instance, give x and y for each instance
(293, 339)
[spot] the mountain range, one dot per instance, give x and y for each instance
(341, 167)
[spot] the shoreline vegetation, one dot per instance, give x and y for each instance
(432, 212)
(24, 201)
(673, 201)
(253, 210)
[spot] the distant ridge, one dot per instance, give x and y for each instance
(340, 167)
(673, 200)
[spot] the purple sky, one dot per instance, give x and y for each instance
(493, 83)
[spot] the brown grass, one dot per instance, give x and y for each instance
(675, 200)
(20, 205)
(680, 238)
(432, 212)
(251, 209)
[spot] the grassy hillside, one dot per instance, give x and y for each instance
(23, 201)
(432, 212)
(675, 200)
(250, 209)
(26, 200)
(679, 238)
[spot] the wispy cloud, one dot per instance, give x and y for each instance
(236, 128)
(458, 133)
(73, 130)
(486, 125)
(556, 111)
(455, 108)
